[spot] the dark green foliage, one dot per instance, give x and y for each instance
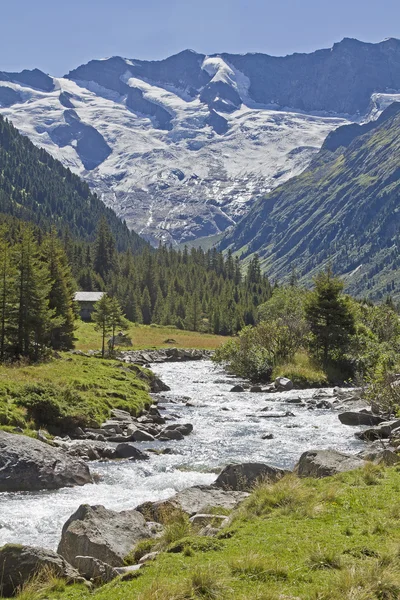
(330, 318)
(61, 292)
(35, 187)
(315, 337)
(36, 294)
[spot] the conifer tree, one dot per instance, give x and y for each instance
(8, 294)
(35, 318)
(61, 296)
(146, 307)
(102, 319)
(330, 318)
(116, 320)
(104, 260)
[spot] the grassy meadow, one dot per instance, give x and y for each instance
(331, 539)
(69, 391)
(149, 336)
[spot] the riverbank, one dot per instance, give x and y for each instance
(228, 427)
(330, 539)
(69, 391)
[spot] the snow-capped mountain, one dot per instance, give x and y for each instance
(181, 148)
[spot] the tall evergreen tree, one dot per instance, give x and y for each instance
(102, 319)
(116, 320)
(61, 296)
(330, 318)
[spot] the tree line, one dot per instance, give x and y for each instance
(303, 332)
(188, 289)
(37, 309)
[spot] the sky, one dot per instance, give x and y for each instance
(57, 36)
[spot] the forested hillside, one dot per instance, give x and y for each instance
(91, 249)
(195, 290)
(343, 210)
(35, 187)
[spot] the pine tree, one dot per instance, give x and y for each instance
(102, 319)
(193, 310)
(35, 318)
(8, 294)
(116, 320)
(146, 307)
(330, 318)
(61, 296)
(104, 260)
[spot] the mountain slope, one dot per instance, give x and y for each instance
(183, 147)
(36, 187)
(343, 210)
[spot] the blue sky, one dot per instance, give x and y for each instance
(58, 36)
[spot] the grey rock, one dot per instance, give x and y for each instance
(324, 404)
(360, 418)
(380, 457)
(245, 476)
(324, 463)
(141, 436)
(268, 436)
(295, 400)
(88, 449)
(201, 520)
(283, 384)
(170, 435)
(103, 534)
(93, 568)
(148, 557)
(374, 433)
(27, 464)
(121, 415)
(127, 450)
(237, 388)
(183, 428)
(256, 388)
(18, 564)
(194, 500)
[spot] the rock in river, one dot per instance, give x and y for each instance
(18, 564)
(29, 465)
(324, 463)
(283, 384)
(103, 534)
(360, 418)
(244, 476)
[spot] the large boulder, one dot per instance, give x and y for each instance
(283, 384)
(18, 564)
(103, 534)
(95, 569)
(244, 476)
(27, 464)
(194, 500)
(360, 418)
(183, 428)
(126, 450)
(324, 463)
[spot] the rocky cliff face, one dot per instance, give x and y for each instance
(183, 147)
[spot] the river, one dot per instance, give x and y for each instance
(228, 427)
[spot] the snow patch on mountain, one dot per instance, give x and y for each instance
(179, 184)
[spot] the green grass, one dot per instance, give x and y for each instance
(331, 539)
(302, 371)
(149, 336)
(69, 391)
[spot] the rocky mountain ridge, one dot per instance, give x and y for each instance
(342, 210)
(183, 147)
